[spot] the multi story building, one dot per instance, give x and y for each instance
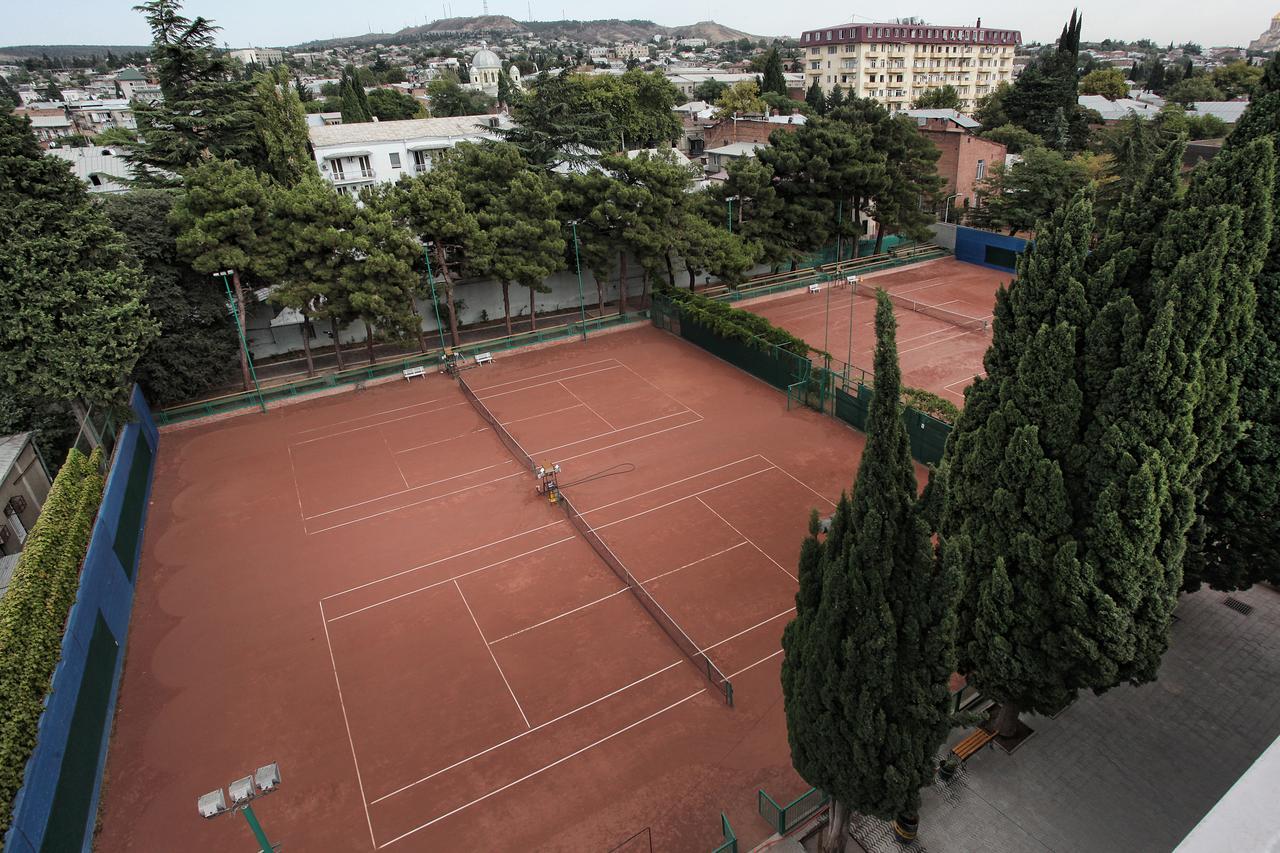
(264, 56)
(897, 63)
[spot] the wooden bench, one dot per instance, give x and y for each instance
(484, 358)
(410, 372)
(972, 744)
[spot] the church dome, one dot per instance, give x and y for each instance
(486, 58)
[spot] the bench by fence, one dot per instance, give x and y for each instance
(484, 358)
(416, 370)
(972, 744)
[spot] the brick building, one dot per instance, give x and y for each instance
(755, 129)
(964, 158)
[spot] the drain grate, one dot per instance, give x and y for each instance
(1238, 606)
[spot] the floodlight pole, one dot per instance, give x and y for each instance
(263, 841)
(235, 312)
(826, 324)
(577, 262)
(730, 200)
(431, 279)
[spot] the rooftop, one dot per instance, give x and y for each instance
(736, 149)
(10, 447)
(404, 130)
(947, 115)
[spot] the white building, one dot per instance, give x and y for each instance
(265, 56)
(352, 156)
(103, 169)
(897, 63)
(92, 117)
(485, 68)
(692, 42)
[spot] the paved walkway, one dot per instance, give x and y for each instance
(1134, 769)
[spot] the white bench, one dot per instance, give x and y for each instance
(815, 288)
(410, 372)
(484, 357)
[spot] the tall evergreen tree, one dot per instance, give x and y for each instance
(1043, 99)
(773, 79)
(815, 99)
(354, 109)
(281, 127)
(378, 278)
(869, 654)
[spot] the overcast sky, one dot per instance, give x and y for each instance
(285, 22)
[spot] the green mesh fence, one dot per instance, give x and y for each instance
(779, 367)
(927, 434)
(782, 818)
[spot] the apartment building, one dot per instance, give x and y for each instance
(897, 63)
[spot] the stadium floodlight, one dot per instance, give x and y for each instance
(212, 804)
(265, 779)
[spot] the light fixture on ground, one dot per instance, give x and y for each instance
(243, 791)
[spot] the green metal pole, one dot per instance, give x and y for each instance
(431, 279)
(257, 829)
(235, 312)
(577, 262)
(849, 358)
(730, 200)
(826, 331)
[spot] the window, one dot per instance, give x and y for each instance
(336, 165)
(395, 160)
(363, 162)
(95, 180)
(982, 169)
(831, 49)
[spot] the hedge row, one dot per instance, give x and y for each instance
(727, 321)
(931, 404)
(33, 613)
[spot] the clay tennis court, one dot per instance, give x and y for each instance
(366, 589)
(935, 354)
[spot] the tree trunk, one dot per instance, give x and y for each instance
(879, 239)
(533, 309)
(693, 281)
(644, 289)
(506, 305)
(671, 272)
(368, 342)
(1006, 722)
(241, 330)
(337, 342)
(86, 424)
(834, 835)
(622, 282)
(448, 296)
(306, 345)
(422, 337)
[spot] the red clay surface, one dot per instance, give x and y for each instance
(936, 355)
(366, 589)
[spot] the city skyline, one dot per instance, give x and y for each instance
(293, 22)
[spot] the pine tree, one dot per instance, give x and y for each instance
(377, 276)
(773, 79)
(868, 656)
(281, 128)
(815, 99)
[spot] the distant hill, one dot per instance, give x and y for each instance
(32, 51)
(596, 32)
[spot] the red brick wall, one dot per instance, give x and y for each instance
(743, 130)
(958, 161)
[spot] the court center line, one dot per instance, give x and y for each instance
(541, 414)
(395, 462)
(626, 440)
(753, 544)
(486, 751)
(347, 722)
(415, 503)
(540, 375)
(442, 440)
(685, 498)
(443, 559)
(759, 624)
(408, 489)
(643, 379)
(588, 408)
(297, 489)
(453, 579)
(614, 432)
(560, 615)
(543, 769)
(754, 665)
(695, 562)
(492, 657)
(378, 424)
(672, 483)
(797, 479)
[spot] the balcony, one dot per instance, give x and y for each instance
(354, 176)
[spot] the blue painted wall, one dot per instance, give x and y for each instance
(972, 247)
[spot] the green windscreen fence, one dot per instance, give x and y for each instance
(779, 367)
(71, 799)
(129, 528)
(928, 435)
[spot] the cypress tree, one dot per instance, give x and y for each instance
(815, 99)
(773, 80)
(870, 651)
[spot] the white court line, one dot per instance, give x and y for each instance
(444, 559)
(980, 374)
(561, 615)
(659, 390)
(453, 579)
(695, 562)
(395, 462)
(366, 417)
(753, 544)
(615, 431)
(685, 498)
(540, 384)
(443, 440)
(542, 414)
(959, 334)
(627, 440)
(378, 423)
(797, 479)
(489, 648)
(748, 630)
(584, 403)
(486, 751)
(543, 769)
(754, 665)
(297, 489)
(540, 375)
(346, 722)
(672, 483)
(415, 503)
(408, 489)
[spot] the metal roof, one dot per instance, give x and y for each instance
(950, 115)
(363, 133)
(10, 447)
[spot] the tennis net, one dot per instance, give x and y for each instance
(964, 321)
(664, 620)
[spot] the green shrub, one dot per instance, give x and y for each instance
(730, 322)
(931, 404)
(33, 613)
